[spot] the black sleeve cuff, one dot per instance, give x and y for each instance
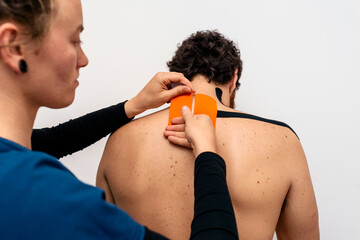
(122, 114)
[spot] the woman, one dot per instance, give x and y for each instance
(40, 59)
(79, 133)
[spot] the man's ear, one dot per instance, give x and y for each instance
(10, 51)
(233, 82)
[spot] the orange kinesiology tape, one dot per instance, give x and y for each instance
(198, 104)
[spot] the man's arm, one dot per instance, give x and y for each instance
(299, 214)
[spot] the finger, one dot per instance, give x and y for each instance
(187, 115)
(178, 77)
(176, 128)
(202, 117)
(167, 134)
(186, 82)
(182, 142)
(180, 90)
(177, 120)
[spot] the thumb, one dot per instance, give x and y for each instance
(186, 113)
(179, 90)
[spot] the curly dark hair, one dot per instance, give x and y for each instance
(210, 54)
(32, 14)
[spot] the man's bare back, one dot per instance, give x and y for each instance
(267, 175)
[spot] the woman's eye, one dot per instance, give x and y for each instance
(79, 42)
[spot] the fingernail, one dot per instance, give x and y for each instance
(184, 108)
(187, 90)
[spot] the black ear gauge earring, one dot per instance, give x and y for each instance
(23, 66)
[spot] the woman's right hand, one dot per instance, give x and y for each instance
(196, 132)
(157, 92)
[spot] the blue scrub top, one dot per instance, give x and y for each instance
(41, 199)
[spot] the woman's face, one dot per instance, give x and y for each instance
(54, 65)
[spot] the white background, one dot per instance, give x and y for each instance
(301, 66)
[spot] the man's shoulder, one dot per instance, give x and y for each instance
(275, 136)
(141, 124)
(139, 132)
(255, 120)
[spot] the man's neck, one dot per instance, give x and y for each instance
(202, 85)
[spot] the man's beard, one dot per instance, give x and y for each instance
(232, 100)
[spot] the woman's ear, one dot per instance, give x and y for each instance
(233, 82)
(11, 52)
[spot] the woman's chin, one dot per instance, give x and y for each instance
(63, 103)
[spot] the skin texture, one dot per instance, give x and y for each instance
(267, 175)
(157, 92)
(53, 68)
(54, 62)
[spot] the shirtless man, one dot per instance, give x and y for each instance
(267, 172)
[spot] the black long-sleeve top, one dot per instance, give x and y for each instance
(213, 212)
(79, 133)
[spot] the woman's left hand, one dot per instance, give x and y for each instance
(194, 132)
(157, 92)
